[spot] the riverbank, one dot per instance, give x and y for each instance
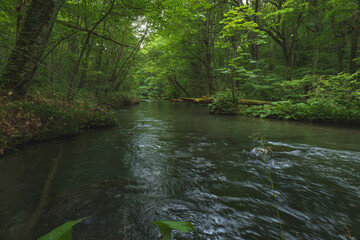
(38, 117)
(333, 107)
(314, 110)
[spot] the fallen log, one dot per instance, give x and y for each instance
(176, 100)
(253, 102)
(202, 100)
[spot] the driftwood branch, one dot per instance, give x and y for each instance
(96, 34)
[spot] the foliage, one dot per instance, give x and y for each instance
(40, 117)
(331, 99)
(315, 110)
(165, 227)
(118, 100)
(64, 232)
(224, 103)
(343, 89)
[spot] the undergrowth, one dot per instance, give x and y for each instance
(43, 116)
(315, 98)
(224, 103)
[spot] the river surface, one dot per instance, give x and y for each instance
(176, 162)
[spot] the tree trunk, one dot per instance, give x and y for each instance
(208, 72)
(83, 78)
(354, 42)
(254, 46)
(115, 72)
(21, 9)
(338, 48)
(233, 75)
(176, 83)
(273, 56)
(30, 44)
(208, 56)
(287, 56)
(71, 90)
(316, 36)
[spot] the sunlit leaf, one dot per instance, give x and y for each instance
(64, 232)
(165, 227)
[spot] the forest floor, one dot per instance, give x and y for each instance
(38, 117)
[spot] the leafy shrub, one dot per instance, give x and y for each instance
(224, 103)
(315, 110)
(333, 99)
(341, 89)
(116, 100)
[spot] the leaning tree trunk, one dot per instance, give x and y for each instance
(30, 44)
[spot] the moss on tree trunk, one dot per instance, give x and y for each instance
(30, 44)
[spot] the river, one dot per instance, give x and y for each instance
(176, 162)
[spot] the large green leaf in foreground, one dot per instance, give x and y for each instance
(64, 232)
(165, 227)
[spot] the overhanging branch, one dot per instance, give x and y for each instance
(96, 34)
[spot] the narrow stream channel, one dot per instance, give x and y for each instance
(176, 162)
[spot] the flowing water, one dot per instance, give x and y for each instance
(176, 162)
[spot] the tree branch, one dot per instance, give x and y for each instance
(271, 34)
(136, 8)
(193, 54)
(96, 34)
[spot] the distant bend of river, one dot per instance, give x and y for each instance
(176, 162)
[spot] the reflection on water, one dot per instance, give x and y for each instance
(176, 162)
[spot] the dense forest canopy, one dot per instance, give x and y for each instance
(260, 49)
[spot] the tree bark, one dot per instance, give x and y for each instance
(30, 44)
(21, 8)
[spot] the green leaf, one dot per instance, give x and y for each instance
(165, 227)
(64, 232)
